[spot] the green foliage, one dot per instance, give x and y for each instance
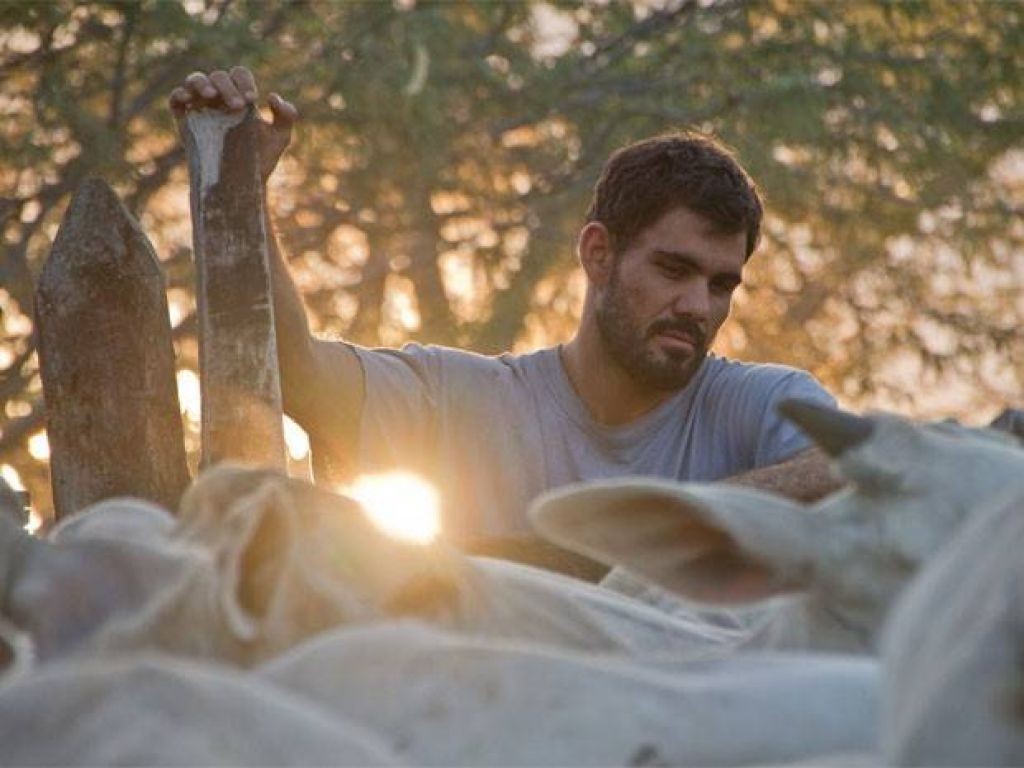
(447, 151)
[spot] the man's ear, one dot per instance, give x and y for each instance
(711, 543)
(596, 253)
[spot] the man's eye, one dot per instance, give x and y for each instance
(724, 286)
(675, 270)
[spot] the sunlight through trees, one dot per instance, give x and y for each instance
(446, 153)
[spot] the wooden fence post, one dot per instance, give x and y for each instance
(239, 379)
(106, 360)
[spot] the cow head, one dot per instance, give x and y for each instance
(292, 558)
(253, 562)
(910, 487)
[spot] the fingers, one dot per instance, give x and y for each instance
(194, 92)
(219, 89)
(226, 89)
(200, 86)
(284, 112)
(179, 101)
(245, 83)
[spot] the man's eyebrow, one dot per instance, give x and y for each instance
(684, 257)
(688, 259)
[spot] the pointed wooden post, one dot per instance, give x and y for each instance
(106, 360)
(239, 379)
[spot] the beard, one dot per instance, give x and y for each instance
(628, 344)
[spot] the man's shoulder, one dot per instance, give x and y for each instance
(738, 406)
(416, 353)
(472, 357)
(510, 366)
(450, 368)
(724, 377)
(726, 370)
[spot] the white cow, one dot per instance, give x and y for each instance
(161, 711)
(66, 593)
(953, 652)
(445, 698)
(260, 562)
(118, 519)
(257, 562)
(502, 680)
(951, 694)
(837, 564)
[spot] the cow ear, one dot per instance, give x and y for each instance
(254, 557)
(713, 544)
(836, 432)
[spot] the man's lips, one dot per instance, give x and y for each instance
(678, 338)
(682, 343)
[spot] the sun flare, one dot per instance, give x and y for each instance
(401, 504)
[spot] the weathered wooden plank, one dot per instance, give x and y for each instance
(107, 360)
(239, 379)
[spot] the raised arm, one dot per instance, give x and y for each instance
(321, 382)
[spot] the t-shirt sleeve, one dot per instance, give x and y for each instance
(399, 412)
(778, 438)
(420, 399)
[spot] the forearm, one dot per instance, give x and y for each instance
(805, 477)
(321, 381)
(294, 340)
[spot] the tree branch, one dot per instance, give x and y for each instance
(118, 79)
(16, 430)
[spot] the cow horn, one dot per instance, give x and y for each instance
(833, 430)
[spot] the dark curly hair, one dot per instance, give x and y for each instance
(643, 181)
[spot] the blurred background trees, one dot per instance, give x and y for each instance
(447, 151)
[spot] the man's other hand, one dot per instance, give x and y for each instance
(233, 91)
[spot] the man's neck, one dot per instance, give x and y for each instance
(611, 395)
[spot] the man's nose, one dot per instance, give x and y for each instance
(693, 299)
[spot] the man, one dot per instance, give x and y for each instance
(673, 221)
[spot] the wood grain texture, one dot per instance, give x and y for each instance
(107, 360)
(239, 377)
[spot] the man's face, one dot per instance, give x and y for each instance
(668, 294)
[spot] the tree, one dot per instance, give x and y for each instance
(447, 152)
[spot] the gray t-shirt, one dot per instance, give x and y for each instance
(494, 432)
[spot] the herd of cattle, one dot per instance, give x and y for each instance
(269, 622)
